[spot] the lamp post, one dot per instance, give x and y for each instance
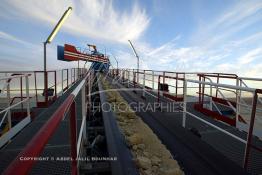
(116, 64)
(116, 61)
(135, 54)
(49, 40)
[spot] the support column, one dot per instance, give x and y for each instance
(128, 74)
(45, 76)
(73, 139)
(237, 103)
(27, 96)
(153, 79)
(62, 81)
(184, 103)
(83, 95)
(144, 84)
(250, 131)
(8, 105)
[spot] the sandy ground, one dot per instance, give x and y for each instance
(150, 155)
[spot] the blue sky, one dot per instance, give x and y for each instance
(174, 35)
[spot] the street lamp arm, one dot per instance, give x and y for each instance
(49, 39)
(116, 61)
(58, 25)
(134, 50)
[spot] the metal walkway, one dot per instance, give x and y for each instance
(59, 144)
(213, 153)
(50, 136)
(211, 104)
(199, 147)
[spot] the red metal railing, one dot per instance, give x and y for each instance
(8, 114)
(37, 144)
(201, 87)
(251, 129)
(53, 82)
(35, 147)
(165, 93)
(75, 75)
(46, 102)
(64, 88)
(231, 104)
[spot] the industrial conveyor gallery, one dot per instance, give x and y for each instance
(66, 137)
(219, 143)
(207, 131)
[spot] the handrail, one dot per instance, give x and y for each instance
(182, 72)
(223, 85)
(10, 107)
(3, 118)
(13, 99)
(255, 79)
(14, 76)
(217, 108)
(228, 102)
(219, 86)
(248, 89)
(9, 78)
(36, 145)
(249, 78)
(227, 90)
(57, 74)
(12, 130)
(253, 113)
(38, 142)
(6, 109)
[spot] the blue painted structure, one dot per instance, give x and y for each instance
(97, 66)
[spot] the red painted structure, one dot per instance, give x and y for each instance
(165, 93)
(72, 54)
(200, 107)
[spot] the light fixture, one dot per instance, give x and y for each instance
(116, 61)
(135, 54)
(58, 25)
(49, 40)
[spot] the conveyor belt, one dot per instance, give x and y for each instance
(116, 144)
(228, 146)
(195, 155)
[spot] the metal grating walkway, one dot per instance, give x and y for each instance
(221, 154)
(58, 145)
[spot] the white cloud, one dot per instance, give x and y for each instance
(27, 56)
(96, 19)
(248, 40)
(212, 48)
(251, 56)
(9, 37)
(238, 17)
(239, 12)
(171, 56)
